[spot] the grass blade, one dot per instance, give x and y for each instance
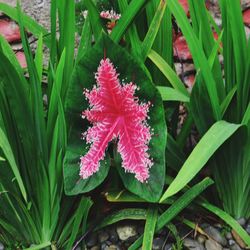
(124, 214)
(4, 144)
(170, 94)
(168, 72)
(153, 29)
(176, 208)
(126, 19)
(206, 147)
(199, 56)
(151, 219)
(228, 219)
(95, 21)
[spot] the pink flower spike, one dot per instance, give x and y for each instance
(110, 15)
(116, 113)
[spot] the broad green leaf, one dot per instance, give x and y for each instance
(151, 219)
(203, 151)
(83, 77)
(176, 208)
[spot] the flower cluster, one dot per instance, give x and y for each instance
(110, 15)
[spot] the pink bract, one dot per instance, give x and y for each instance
(116, 113)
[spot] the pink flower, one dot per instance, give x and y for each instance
(116, 113)
(111, 15)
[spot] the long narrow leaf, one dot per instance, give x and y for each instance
(206, 147)
(176, 208)
(149, 231)
(5, 146)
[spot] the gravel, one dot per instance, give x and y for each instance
(125, 232)
(191, 244)
(212, 245)
(216, 235)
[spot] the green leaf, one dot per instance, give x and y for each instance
(39, 58)
(124, 214)
(86, 39)
(151, 219)
(5, 146)
(228, 219)
(126, 19)
(176, 208)
(9, 53)
(95, 20)
(203, 151)
(122, 196)
(170, 94)
(67, 40)
(153, 29)
(40, 246)
(80, 213)
(167, 71)
(199, 56)
(83, 77)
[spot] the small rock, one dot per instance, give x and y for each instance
(1, 246)
(212, 245)
(104, 246)
(242, 221)
(231, 242)
(218, 225)
(112, 247)
(157, 243)
(201, 239)
(216, 235)
(131, 239)
(125, 232)
(103, 236)
(168, 247)
(91, 240)
(192, 244)
(95, 248)
(235, 247)
(229, 236)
